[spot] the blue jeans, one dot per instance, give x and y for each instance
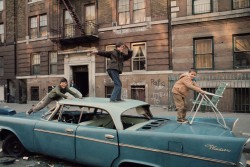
(116, 93)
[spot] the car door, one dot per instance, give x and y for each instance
(97, 142)
(55, 139)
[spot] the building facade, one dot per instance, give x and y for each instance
(213, 36)
(48, 39)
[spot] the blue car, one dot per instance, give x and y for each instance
(95, 132)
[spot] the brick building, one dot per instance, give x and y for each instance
(50, 39)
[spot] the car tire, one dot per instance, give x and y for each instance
(12, 146)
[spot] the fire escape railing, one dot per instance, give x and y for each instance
(73, 14)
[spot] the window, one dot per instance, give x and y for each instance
(43, 26)
(242, 100)
(90, 18)
(139, 11)
(202, 6)
(53, 63)
(138, 92)
(34, 90)
(239, 4)
(139, 56)
(2, 33)
(1, 5)
(35, 64)
(109, 48)
(69, 30)
(1, 66)
(203, 53)
(38, 26)
(108, 91)
(134, 8)
(241, 51)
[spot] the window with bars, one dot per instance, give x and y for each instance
(138, 92)
(240, 4)
(241, 50)
(34, 93)
(53, 63)
(202, 6)
(2, 33)
(38, 26)
(203, 53)
(1, 66)
(139, 56)
(135, 9)
(35, 64)
(242, 100)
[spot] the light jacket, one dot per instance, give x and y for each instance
(116, 58)
(184, 84)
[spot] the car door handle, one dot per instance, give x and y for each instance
(69, 130)
(107, 136)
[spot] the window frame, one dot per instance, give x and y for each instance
(51, 63)
(1, 5)
(35, 64)
(2, 34)
(234, 52)
(197, 13)
(1, 66)
(145, 56)
(37, 24)
(127, 11)
(195, 55)
(233, 5)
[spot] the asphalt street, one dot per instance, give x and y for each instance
(242, 129)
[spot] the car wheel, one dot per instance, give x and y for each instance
(12, 146)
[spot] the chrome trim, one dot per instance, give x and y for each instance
(52, 132)
(235, 122)
(97, 140)
(178, 154)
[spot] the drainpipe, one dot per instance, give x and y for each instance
(170, 34)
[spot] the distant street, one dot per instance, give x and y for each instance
(242, 128)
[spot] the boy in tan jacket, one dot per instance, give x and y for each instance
(180, 92)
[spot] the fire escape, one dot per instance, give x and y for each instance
(77, 33)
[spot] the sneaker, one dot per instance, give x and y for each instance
(113, 101)
(183, 121)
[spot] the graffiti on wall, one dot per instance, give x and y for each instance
(160, 91)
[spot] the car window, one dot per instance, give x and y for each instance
(135, 116)
(85, 116)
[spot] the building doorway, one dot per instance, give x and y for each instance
(81, 79)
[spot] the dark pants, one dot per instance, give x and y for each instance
(116, 93)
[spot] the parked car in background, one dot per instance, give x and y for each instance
(95, 132)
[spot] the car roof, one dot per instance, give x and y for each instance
(105, 104)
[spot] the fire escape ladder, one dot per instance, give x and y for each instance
(72, 12)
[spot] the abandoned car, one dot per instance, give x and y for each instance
(95, 132)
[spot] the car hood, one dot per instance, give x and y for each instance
(197, 128)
